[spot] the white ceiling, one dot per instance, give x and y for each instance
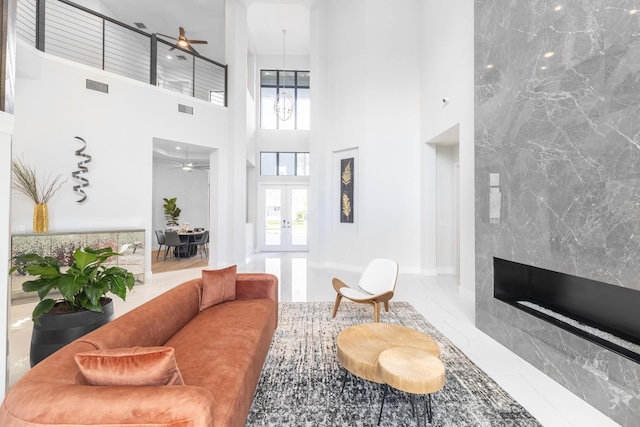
(266, 22)
(201, 19)
(205, 20)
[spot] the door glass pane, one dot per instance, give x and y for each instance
(273, 217)
(299, 216)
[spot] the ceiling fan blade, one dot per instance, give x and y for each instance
(192, 49)
(164, 35)
(181, 32)
(172, 47)
(198, 42)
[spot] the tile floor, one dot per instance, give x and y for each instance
(436, 298)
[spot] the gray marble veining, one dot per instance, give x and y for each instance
(557, 115)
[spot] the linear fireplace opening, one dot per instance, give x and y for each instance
(602, 313)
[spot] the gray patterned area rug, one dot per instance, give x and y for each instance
(301, 379)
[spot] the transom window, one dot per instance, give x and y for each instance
(296, 84)
(284, 164)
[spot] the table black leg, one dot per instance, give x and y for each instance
(428, 408)
(415, 413)
(384, 396)
(344, 379)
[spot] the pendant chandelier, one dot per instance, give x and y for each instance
(283, 104)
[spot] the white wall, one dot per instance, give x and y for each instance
(233, 170)
(365, 65)
(119, 128)
(447, 71)
(6, 129)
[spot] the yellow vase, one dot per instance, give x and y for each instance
(40, 218)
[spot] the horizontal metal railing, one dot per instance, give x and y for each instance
(70, 31)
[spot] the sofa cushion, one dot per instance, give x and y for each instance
(218, 286)
(135, 366)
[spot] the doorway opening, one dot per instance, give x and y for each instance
(447, 201)
(180, 171)
(282, 222)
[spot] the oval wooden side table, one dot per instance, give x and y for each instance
(413, 371)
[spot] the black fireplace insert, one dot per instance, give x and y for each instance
(612, 309)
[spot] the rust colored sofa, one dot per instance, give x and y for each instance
(219, 352)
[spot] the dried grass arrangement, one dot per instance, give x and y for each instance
(26, 182)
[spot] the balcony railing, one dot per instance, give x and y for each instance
(70, 31)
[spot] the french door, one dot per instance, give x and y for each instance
(283, 218)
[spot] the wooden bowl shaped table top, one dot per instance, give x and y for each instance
(411, 370)
(359, 346)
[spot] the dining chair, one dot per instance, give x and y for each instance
(160, 237)
(202, 243)
(172, 240)
(376, 285)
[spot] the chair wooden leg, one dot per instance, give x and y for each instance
(336, 305)
(376, 311)
(386, 306)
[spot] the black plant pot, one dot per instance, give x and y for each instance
(58, 330)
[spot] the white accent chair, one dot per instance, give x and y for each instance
(377, 284)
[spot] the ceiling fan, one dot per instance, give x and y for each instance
(188, 166)
(183, 42)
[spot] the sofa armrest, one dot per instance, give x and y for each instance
(184, 406)
(257, 285)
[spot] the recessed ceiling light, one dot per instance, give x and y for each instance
(549, 54)
(178, 148)
(489, 66)
(168, 56)
(544, 67)
(558, 8)
(633, 11)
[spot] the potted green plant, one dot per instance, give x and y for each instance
(84, 305)
(171, 211)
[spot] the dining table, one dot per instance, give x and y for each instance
(190, 237)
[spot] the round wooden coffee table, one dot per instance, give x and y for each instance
(359, 346)
(413, 371)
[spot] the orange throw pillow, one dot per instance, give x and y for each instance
(218, 286)
(130, 366)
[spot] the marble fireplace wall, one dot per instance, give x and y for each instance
(557, 122)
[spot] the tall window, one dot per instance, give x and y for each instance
(284, 164)
(296, 84)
